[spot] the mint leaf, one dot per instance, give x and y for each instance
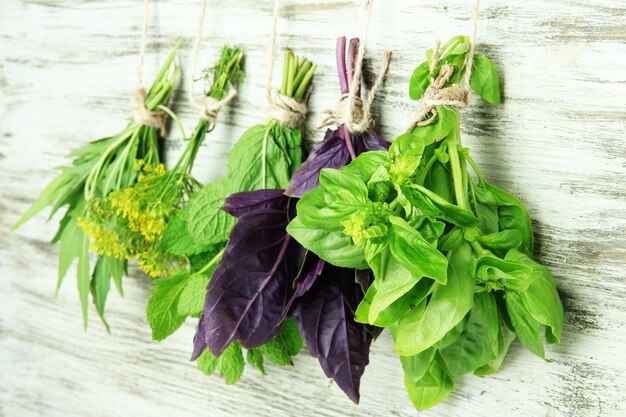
(207, 362)
(191, 298)
(176, 238)
(284, 345)
(162, 311)
(208, 224)
(230, 363)
(255, 357)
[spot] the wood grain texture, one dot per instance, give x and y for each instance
(67, 71)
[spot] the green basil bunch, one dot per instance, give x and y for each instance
(454, 277)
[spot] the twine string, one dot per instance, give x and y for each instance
(141, 114)
(351, 110)
(456, 95)
(209, 108)
(286, 110)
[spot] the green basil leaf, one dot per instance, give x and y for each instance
(503, 273)
(432, 387)
(367, 163)
(541, 299)
(392, 281)
(505, 338)
(502, 241)
(344, 192)
(484, 79)
(447, 306)
(487, 211)
(526, 327)
(415, 253)
(420, 80)
(477, 345)
(331, 245)
(431, 204)
(512, 215)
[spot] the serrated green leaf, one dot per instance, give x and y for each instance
(284, 345)
(230, 363)
(206, 362)
(191, 298)
(176, 238)
(162, 310)
(208, 224)
(255, 357)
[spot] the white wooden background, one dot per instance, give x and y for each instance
(67, 70)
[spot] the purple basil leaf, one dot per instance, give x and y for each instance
(199, 344)
(246, 201)
(368, 141)
(252, 286)
(330, 153)
(325, 316)
(309, 272)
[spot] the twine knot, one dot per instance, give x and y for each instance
(287, 110)
(436, 95)
(144, 116)
(209, 110)
(356, 118)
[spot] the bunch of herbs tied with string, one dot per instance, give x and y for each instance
(131, 222)
(264, 276)
(266, 156)
(99, 168)
(454, 277)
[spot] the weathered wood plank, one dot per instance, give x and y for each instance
(67, 70)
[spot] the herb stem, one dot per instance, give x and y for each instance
(212, 262)
(455, 164)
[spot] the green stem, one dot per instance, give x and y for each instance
(212, 262)
(454, 143)
(474, 166)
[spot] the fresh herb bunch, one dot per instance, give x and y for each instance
(131, 222)
(103, 166)
(265, 156)
(265, 276)
(454, 277)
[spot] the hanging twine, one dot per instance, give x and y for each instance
(141, 114)
(351, 110)
(286, 110)
(456, 95)
(210, 107)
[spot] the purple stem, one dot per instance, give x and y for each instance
(341, 65)
(353, 52)
(347, 137)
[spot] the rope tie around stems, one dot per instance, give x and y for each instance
(351, 110)
(455, 95)
(355, 114)
(284, 109)
(141, 114)
(209, 108)
(287, 110)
